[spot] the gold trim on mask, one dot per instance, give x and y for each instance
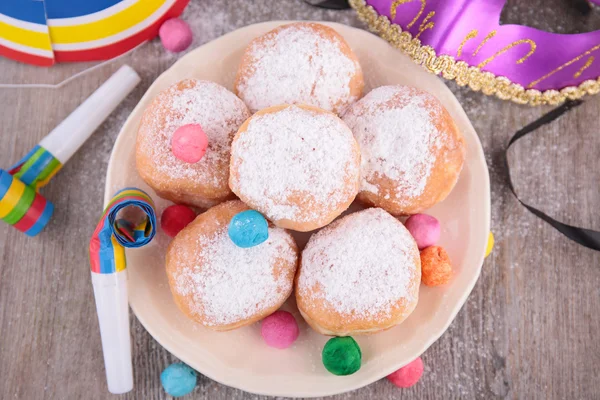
(460, 71)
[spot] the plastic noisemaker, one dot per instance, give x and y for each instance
(118, 228)
(20, 203)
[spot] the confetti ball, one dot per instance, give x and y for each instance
(189, 143)
(436, 268)
(490, 244)
(175, 35)
(280, 330)
(341, 356)
(424, 228)
(248, 229)
(178, 379)
(408, 375)
(176, 217)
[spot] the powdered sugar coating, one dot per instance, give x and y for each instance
(394, 126)
(296, 164)
(217, 110)
(361, 266)
(298, 63)
(229, 284)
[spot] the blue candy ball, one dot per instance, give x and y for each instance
(248, 228)
(178, 379)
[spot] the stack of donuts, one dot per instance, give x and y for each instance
(290, 149)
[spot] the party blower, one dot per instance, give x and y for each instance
(20, 203)
(129, 220)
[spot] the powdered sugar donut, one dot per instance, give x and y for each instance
(297, 165)
(412, 152)
(359, 275)
(223, 286)
(219, 113)
(299, 63)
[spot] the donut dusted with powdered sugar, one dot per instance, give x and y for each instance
(359, 275)
(412, 152)
(221, 285)
(296, 164)
(218, 112)
(299, 63)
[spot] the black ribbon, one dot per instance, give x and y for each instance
(329, 4)
(585, 237)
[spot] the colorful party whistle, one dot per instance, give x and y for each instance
(109, 278)
(20, 204)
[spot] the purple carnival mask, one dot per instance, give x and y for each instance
(463, 40)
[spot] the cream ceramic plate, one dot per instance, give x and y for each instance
(240, 358)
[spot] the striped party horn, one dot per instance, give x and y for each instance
(20, 204)
(109, 278)
(36, 168)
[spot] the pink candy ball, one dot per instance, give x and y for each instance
(175, 35)
(280, 330)
(408, 375)
(189, 143)
(424, 228)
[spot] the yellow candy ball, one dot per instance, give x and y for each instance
(490, 244)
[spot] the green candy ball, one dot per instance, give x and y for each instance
(341, 356)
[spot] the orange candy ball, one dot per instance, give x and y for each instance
(436, 267)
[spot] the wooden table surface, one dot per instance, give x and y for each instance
(528, 330)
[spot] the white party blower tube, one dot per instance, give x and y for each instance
(110, 292)
(70, 134)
